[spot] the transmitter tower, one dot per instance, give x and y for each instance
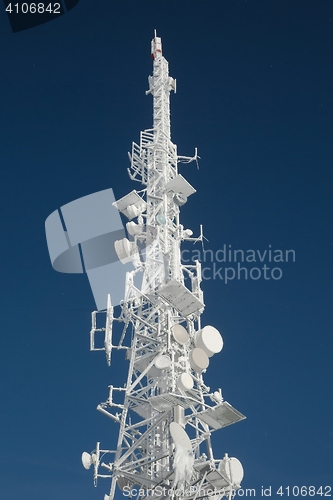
(165, 411)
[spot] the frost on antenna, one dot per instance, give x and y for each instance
(167, 415)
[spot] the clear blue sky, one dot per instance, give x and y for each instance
(254, 94)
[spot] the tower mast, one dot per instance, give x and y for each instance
(166, 413)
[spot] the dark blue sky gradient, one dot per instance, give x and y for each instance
(254, 94)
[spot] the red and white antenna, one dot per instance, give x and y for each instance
(156, 46)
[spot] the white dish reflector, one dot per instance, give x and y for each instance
(180, 334)
(232, 469)
(125, 249)
(209, 339)
(185, 382)
(198, 359)
(179, 436)
(163, 361)
(86, 460)
(134, 229)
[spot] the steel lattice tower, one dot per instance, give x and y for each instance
(167, 414)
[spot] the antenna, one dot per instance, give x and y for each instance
(166, 413)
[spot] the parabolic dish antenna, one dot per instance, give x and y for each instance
(198, 359)
(185, 382)
(180, 334)
(179, 436)
(232, 469)
(86, 460)
(125, 250)
(209, 339)
(180, 199)
(133, 228)
(163, 361)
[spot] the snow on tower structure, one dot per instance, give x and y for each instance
(166, 413)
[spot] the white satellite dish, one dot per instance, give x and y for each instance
(232, 469)
(180, 199)
(134, 228)
(162, 362)
(86, 460)
(180, 334)
(198, 359)
(179, 436)
(132, 211)
(188, 233)
(209, 339)
(218, 396)
(125, 249)
(185, 382)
